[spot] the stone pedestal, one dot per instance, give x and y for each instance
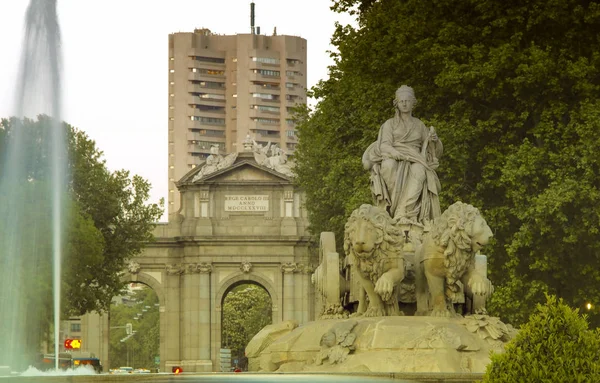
(381, 344)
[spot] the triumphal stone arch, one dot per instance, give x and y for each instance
(241, 220)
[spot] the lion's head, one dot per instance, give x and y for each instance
(368, 230)
(461, 231)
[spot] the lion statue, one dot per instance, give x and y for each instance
(445, 262)
(373, 245)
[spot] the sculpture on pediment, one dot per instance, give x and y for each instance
(214, 162)
(261, 153)
(402, 163)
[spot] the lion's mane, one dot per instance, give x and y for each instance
(388, 240)
(452, 231)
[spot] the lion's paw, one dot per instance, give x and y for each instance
(374, 312)
(441, 313)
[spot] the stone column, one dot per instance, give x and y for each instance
(306, 296)
(288, 270)
(190, 307)
(173, 311)
(204, 315)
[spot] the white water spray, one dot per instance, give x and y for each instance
(31, 190)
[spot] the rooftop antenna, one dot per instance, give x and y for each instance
(252, 17)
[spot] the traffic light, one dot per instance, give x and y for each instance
(72, 344)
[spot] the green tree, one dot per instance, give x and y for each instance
(246, 310)
(555, 345)
(511, 89)
(143, 346)
(108, 221)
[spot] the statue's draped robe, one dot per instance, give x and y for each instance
(409, 187)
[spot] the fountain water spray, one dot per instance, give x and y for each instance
(32, 186)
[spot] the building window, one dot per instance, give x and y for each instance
(172, 71)
(264, 108)
(266, 85)
(270, 121)
(205, 145)
(208, 132)
(293, 61)
(208, 120)
(211, 72)
(75, 327)
(211, 96)
(293, 73)
(291, 133)
(217, 60)
(209, 84)
(209, 108)
(266, 72)
(266, 60)
(266, 96)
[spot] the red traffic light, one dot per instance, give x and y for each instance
(71, 344)
(177, 370)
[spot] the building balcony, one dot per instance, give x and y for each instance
(197, 88)
(262, 113)
(205, 101)
(263, 135)
(252, 125)
(261, 77)
(193, 124)
(206, 77)
(265, 101)
(219, 113)
(265, 89)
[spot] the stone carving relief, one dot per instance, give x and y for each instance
(214, 162)
(246, 267)
(337, 343)
(273, 157)
(133, 267)
(490, 329)
(402, 163)
(202, 268)
(289, 268)
(175, 269)
(205, 268)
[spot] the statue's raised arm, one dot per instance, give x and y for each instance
(402, 163)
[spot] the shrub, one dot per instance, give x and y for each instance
(555, 345)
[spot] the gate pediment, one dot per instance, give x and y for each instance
(244, 169)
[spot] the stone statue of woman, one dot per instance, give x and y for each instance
(402, 163)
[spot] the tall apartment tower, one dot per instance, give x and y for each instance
(225, 87)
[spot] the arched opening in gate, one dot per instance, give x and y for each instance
(135, 328)
(247, 307)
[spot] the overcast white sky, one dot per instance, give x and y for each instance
(115, 64)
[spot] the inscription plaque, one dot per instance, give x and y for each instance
(246, 203)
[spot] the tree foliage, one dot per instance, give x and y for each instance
(108, 219)
(144, 345)
(555, 345)
(246, 310)
(511, 88)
